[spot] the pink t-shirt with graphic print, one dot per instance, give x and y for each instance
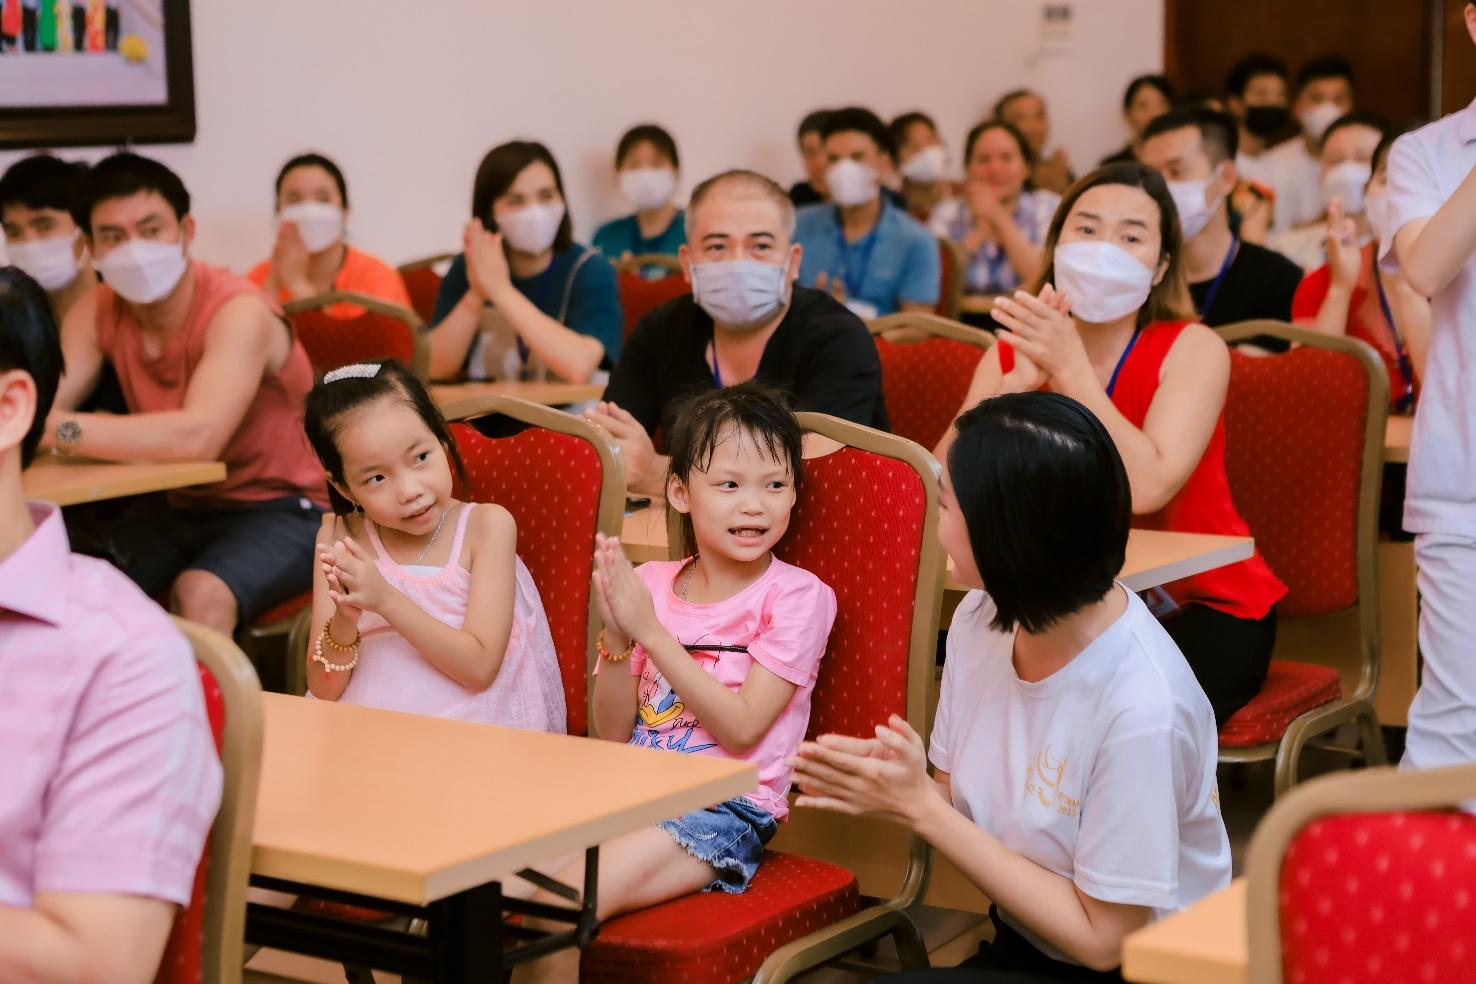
(782, 620)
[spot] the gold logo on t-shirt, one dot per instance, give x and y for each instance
(1043, 781)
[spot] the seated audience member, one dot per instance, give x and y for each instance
(40, 237)
(111, 777)
(310, 256)
(1352, 295)
(1346, 162)
(1074, 753)
(1147, 98)
(1026, 112)
(523, 299)
(812, 152)
(211, 371)
(1255, 95)
(922, 163)
(1324, 93)
(745, 319)
(646, 165)
(865, 250)
(1229, 280)
(1110, 325)
(1000, 221)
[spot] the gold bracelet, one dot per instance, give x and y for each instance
(610, 657)
(323, 661)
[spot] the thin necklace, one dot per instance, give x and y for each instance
(439, 523)
(687, 581)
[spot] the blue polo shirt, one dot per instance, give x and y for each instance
(897, 262)
(620, 236)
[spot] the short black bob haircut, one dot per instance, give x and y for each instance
(859, 119)
(906, 121)
(1324, 67)
(648, 133)
(1218, 131)
(1371, 121)
(328, 404)
(1252, 66)
(125, 174)
(41, 181)
(1045, 497)
(706, 419)
(317, 160)
(497, 172)
(1160, 82)
(29, 342)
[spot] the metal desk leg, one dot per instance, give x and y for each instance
(466, 935)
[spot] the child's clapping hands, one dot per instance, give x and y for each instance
(623, 598)
(354, 582)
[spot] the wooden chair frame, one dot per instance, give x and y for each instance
(420, 341)
(635, 264)
(1372, 791)
(229, 871)
(1321, 720)
(953, 303)
(425, 261)
(934, 325)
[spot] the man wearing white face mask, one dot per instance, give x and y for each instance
(1345, 160)
(868, 253)
(1324, 93)
(745, 320)
(922, 162)
(211, 371)
(1229, 280)
(646, 167)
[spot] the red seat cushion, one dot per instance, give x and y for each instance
(714, 936)
(1291, 689)
(284, 611)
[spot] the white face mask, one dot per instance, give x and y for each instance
(1346, 181)
(143, 271)
(1194, 211)
(532, 228)
(648, 187)
(740, 294)
(320, 224)
(51, 262)
(927, 166)
(1376, 210)
(852, 183)
(1103, 281)
(1316, 120)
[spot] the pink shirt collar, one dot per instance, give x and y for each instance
(34, 579)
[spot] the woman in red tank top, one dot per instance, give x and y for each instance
(1110, 325)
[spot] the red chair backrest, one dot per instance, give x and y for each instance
(332, 342)
(550, 482)
(639, 296)
(422, 284)
(925, 383)
(858, 526)
(1380, 897)
(1294, 439)
(947, 271)
(181, 961)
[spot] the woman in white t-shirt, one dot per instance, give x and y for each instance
(1074, 751)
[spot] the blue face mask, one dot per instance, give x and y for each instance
(740, 294)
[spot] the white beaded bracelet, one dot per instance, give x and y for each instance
(322, 660)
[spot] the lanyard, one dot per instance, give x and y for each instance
(1121, 361)
(864, 248)
(1401, 356)
(717, 374)
(1214, 288)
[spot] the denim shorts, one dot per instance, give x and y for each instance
(730, 837)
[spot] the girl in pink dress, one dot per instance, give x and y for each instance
(420, 601)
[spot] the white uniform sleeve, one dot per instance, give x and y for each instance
(1414, 191)
(938, 743)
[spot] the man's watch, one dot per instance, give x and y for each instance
(68, 433)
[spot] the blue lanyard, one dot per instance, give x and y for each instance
(717, 374)
(868, 241)
(1401, 356)
(1121, 361)
(1214, 288)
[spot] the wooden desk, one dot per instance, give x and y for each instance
(551, 394)
(69, 482)
(976, 303)
(1204, 944)
(1397, 433)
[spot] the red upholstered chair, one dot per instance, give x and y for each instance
(562, 481)
(638, 296)
(927, 365)
(952, 262)
(865, 524)
(1304, 436)
(423, 283)
(379, 331)
(1366, 876)
(206, 940)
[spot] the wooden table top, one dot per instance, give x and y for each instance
(1397, 433)
(1203, 944)
(977, 303)
(69, 482)
(552, 394)
(414, 809)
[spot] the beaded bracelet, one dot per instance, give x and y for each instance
(327, 636)
(610, 657)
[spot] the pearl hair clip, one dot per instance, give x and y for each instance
(358, 370)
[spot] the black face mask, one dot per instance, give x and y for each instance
(1266, 121)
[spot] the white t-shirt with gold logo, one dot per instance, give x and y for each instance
(1104, 772)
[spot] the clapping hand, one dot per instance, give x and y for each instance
(487, 272)
(624, 599)
(355, 583)
(1042, 335)
(1344, 259)
(885, 776)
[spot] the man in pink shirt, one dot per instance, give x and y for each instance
(111, 779)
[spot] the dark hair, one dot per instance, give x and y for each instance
(1169, 299)
(42, 181)
(859, 119)
(29, 342)
(1161, 83)
(997, 124)
(500, 168)
(329, 403)
(125, 174)
(314, 160)
(1252, 66)
(1047, 504)
(647, 133)
(1217, 131)
(754, 182)
(1371, 120)
(814, 122)
(901, 124)
(705, 419)
(1324, 67)
(1011, 96)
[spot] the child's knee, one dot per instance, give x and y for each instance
(203, 597)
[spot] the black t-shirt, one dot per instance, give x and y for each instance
(821, 354)
(1259, 284)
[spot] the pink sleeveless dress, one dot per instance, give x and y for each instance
(528, 691)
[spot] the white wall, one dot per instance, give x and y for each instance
(407, 97)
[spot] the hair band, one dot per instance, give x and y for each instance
(357, 370)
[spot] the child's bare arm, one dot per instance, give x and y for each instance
(345, 621)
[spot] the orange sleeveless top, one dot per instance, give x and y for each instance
(268, 457)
